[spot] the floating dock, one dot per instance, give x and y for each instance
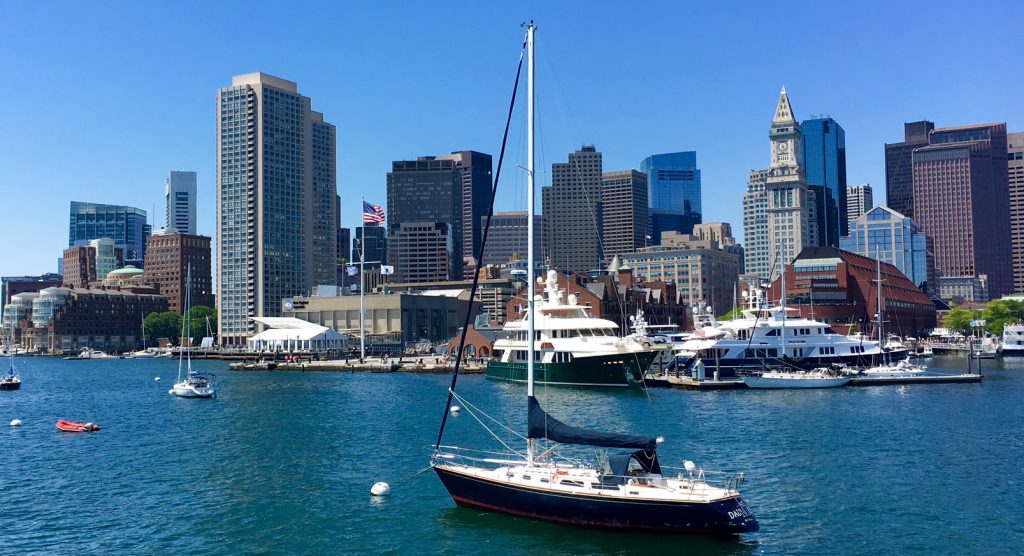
(355, 366)
(688, 383)
(926, 379)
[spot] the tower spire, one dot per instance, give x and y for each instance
(783, 112)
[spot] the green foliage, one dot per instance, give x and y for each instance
(1001, 312)
(198, 315)
(959, 319)
(162, 325)
(854, 328)
(732, 315)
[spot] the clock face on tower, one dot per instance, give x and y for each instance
(783, 147)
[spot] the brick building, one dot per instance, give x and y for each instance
(168, 258)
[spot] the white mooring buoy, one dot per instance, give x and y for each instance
(156, 378)
(16, 423)
(455, 410)
(380, 489)
(171, 391)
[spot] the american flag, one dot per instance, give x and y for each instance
(372, 214)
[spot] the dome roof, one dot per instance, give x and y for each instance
(126, 272)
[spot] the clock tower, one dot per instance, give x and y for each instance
(786, 138)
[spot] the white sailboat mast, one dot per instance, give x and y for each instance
(530, 256)
(362, 301)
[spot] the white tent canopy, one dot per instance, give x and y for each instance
(292, 334)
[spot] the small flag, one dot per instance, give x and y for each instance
(387, 269)
(372, 214)
(352, 270)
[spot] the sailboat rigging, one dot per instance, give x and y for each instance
(629, 490)
(195, 384)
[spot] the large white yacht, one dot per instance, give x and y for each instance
(756, 340)
(572, 347)
(1013, 340)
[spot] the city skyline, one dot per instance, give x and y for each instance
(93, 131)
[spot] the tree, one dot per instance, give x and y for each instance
(198, 315)
(959, 319)
(162, 325)
(1001, 312)
(732, 315)
(854, 328)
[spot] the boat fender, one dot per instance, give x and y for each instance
(455, 410)
(16, 423)
(380, 489)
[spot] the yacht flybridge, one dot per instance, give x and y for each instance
(572, 347)
(756, 340)
(628, 489)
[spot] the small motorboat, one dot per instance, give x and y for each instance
(11, 381)
(71, 426)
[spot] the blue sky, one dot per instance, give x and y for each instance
(102, 99)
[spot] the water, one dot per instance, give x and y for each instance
(283, 463)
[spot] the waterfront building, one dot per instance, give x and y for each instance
(452, 189)
(624, 210)
(616, 296)
(674, 192)
(859, 201)
(126, 226)
(276, 201)
(899, 167)
(791, 205)
(66, 319)
(840, 288)
(422, 251)
(393, 321)
(13, 285)
(1015, 179)
(17, 316)
(700, 268)
(79, 266)
(961, 200)
(824, 166)
(886, 235)
(493, 294)
(168, 258)
(756, 257)
(963, 289)
(507, 241)
(180, 196)
(572, 212)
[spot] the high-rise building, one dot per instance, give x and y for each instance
(79, 266)
(756, 258)
(890, 237)
(125, 225)
(375, 247)
(507, 241)
(961, 200)
(899, 167)
(1015, 175)
(169, 258)
(421, 251)
(180, 196)
(859, 201)
(276, 201)
(624, 210)
(791, 205)
(674, 195)
(572, 212)
(106, 256)
(824, 167)
(453, 189)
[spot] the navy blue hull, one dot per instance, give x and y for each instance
(725, 517)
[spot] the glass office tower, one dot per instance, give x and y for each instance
(824, 164)
(125, 225)
(673, 185)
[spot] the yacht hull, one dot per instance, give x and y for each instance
(14, 385)
(723, 517)
(619, 369)
(777, 383)
(184, 390)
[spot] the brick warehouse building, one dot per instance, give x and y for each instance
(845, 292)
(168, 257)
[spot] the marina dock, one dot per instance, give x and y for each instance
(688, 383)
(927, 379)
(353, 365)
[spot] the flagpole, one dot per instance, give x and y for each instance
(362, 283)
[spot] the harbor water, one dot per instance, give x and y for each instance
(283, 462)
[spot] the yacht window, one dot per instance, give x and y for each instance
(772, 333)
(828, 330)
(571, 483)
(497, 353)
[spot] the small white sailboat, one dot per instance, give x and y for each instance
(776, 379)
(195, 384)
(899, 369)
(10, 381)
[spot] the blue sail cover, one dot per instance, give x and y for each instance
(542, 425)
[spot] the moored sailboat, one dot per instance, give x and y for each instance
(630, 489)
(195, 384)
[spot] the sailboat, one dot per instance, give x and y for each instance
(629, 490)
(888, 369)
(10, 381)
(142, 353)
(195, 384)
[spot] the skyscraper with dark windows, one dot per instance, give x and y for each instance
(899, 167)
(1015, 169)
(180, 196)
(452, 189)
(962, 201)
(572, 212)
(824, 166)
(125, 225)
(674, 192)
(276, 201)
(624, 210)
(370, 241)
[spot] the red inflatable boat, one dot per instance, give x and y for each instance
(71, 426)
